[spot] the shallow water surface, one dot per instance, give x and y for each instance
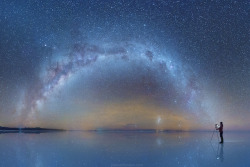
(123, 149)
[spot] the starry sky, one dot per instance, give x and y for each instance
(125, 64)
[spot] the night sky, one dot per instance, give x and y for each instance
(141, 64)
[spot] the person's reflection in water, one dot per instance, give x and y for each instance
(220, 156)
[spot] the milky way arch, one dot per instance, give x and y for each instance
(83, 55)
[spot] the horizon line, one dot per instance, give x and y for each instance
(132, 130)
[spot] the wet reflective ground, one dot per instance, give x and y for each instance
(123, 149)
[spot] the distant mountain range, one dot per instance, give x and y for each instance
(42, 130)
(26, 130)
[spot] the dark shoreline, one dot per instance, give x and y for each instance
(28, 130)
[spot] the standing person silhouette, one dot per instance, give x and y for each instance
(220, 128)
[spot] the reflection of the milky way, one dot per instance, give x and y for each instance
(105, 149)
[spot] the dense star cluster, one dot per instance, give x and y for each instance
(124, 64)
